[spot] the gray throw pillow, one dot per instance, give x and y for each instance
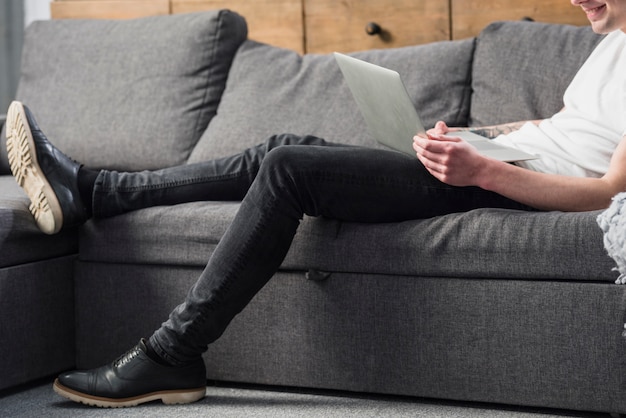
(521, 69)
(272, 91)
(128, 94)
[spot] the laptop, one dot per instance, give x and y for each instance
(391, 116)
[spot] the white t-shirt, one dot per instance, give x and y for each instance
(580, 140)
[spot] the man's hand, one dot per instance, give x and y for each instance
(448, 158)
(456, 162)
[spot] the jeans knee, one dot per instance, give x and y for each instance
(289, 167)
(279, 184)
(282, 159)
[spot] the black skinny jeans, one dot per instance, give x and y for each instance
(278, 182)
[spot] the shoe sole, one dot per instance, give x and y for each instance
(22, 154)
(168, 397)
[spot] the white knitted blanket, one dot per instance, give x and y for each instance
(613, 224)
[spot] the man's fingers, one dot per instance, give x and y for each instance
(444, 138)
(431, 160)
(441, 145)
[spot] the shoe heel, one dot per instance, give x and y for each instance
(183, 397)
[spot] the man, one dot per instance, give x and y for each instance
(282, 180)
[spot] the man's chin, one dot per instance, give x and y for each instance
(601, 28)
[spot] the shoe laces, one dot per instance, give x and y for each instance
(127, 357)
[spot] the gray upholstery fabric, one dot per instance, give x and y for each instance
(272, 90)
(20, 239)
(37, 325)
(121, 312)
(128, 94)
(481, 243)
(537, 343)
(521, 69)
(515, 342)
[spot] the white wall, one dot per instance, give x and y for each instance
(36, 10)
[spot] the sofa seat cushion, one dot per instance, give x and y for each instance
(521, 69)
(272, 91)
(484, 243)
(128, 94)
(20, 240)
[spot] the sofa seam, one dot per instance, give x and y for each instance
(210, 74)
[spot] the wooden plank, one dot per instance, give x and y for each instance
(108, 9)
(275, 22)
(340, 25)
(469, 17)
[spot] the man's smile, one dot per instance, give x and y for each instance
(595, 11)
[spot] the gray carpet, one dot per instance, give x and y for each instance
(38, 400)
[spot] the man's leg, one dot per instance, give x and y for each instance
(222, 179)
(62, 196)
(352, 184)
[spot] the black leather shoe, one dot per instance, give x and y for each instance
(47, 175)
(132, 379)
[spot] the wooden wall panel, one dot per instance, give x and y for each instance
(108, 9)
(322, 26)
(469, 17)
(339, 25)
(276, 22)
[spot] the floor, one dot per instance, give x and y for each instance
(38, 400)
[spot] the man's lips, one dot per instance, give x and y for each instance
(594, 11)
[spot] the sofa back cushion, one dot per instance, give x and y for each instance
(128, 94)
(521, 69)
(272, 90)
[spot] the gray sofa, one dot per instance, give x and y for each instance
(490, 305)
